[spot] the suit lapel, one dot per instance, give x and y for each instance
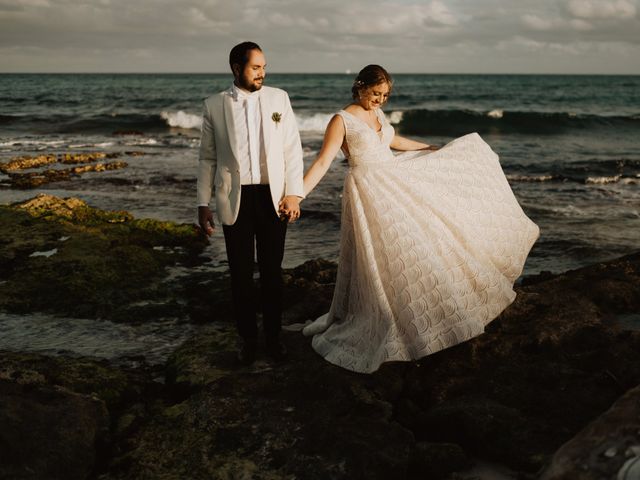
(265, 112)
(230, 122)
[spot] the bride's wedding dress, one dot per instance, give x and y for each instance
(431, 244)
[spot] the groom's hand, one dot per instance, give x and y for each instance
(289, 208)
(205, 220)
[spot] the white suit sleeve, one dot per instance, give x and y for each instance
(207, 160)
(293, 165)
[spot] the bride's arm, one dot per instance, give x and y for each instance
(405, 144)
(333, 138)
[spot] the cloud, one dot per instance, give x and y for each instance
(437, 12)
(534, 22)
(313, 36)
(589, 9)
(537, 23)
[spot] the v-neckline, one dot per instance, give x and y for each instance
(377, 132)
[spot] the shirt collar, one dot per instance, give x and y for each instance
(238, 93)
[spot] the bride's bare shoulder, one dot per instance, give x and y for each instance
(353, 109)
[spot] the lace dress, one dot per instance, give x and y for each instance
(431, 244)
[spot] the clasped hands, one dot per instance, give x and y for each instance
(289, 208)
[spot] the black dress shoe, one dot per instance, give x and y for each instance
(247, 352)
(276, 351)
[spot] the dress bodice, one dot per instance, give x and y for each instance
(364, 143)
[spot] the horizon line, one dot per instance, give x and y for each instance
(317, 73)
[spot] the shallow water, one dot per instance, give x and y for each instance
(121, 343)
(629, 321)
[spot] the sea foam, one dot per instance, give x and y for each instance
(395, 118)
(314, 123)
(318, 122)
(182, 119)
(603, 180)
(530, 178)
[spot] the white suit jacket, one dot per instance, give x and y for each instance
(219, 170)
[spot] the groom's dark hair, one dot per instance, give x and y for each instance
(239, 54)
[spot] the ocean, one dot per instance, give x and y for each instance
(569, 145)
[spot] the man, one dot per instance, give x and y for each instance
(251, 161)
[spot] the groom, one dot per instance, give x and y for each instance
(251, 162)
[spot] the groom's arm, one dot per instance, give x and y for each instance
(206, 172)
(293, 166)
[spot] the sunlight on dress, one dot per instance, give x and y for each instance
(431, 244)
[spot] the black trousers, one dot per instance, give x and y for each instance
(257, 228)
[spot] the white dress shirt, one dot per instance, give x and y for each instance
(248, 126)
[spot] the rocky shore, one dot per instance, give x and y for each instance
(550, 390)
(37, 175)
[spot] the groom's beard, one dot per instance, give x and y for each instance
(251, 85)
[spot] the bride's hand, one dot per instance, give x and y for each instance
(289, 208)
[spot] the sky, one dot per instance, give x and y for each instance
(318, 36)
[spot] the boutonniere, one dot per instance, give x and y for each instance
(276, 117)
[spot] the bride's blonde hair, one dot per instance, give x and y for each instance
(370, 76)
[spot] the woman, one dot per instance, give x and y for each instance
(431, 242)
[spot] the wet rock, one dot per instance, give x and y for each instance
(437, 460)
(28, 162)
(36, 179)
(603, 447)
(73, 158)
(301, 419)
(48, 432)
(41, 177)
(128, 132)
(471, 421)
(73, 209)
(311, 273)
(57, 414)
(308, 290)
(98, 378)
(23, 163)
(551, 363)
(106, 267)
(202, 360)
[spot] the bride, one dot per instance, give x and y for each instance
(432, 240)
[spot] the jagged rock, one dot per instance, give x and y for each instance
(73, 209)
(56, 413)
(48, 432)
(202, 360)
(128, 132)
(471, 421)
(28, 162)
(23, 163)
(436, 461)
(603, 447)
(72, 158)
(511, 396)
(86, 376)
(302, 419)
(36, 179)
(553, 361)
(102, 264)
(41, 177)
